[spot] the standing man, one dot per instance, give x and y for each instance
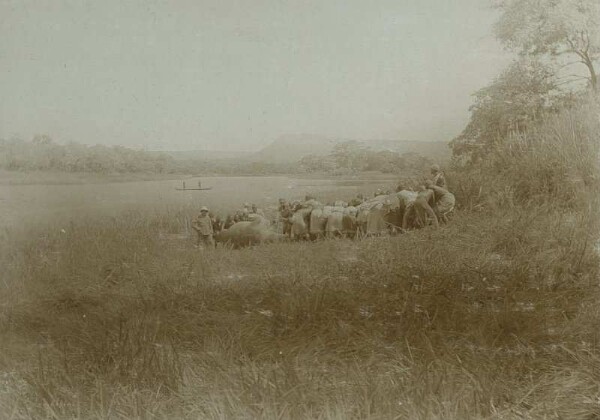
(438, 176)
(204, 228)
(285, 213)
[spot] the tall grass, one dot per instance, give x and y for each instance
(492, 316)
(554, 162)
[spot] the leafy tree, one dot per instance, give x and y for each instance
(415, 161)
(385, 161)
(348, 155)
(316, 163)
(509, 104)
(551, 29)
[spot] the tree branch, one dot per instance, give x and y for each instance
(569, 64)
(576, 76)
(570, 81)
(574, 49)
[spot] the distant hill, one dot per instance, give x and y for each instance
(292, 148)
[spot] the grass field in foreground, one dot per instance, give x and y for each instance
(488, 317)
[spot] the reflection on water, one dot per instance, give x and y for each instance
(34, 204)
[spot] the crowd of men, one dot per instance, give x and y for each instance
(207, 224)
(429, 202)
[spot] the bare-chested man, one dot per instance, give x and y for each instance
(444, 201)
(421, 209)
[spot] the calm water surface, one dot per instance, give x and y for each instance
(42, 204)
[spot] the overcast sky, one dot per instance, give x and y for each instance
(229, 75)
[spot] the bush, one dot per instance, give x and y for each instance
(554, 162)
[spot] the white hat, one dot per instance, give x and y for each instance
(203, 208)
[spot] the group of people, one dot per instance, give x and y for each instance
(429, 203)
(433, 201)
(247, 213)
(207, 224)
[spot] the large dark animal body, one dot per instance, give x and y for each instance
(248, 233)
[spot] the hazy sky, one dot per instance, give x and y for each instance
(222, 74)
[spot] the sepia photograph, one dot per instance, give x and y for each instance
(300, 209)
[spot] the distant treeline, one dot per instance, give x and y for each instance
(352, 156)
(43, 154)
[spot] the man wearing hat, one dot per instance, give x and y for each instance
(438, 176)
(203, 227)
(285, 213)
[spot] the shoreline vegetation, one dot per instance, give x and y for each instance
(41, 160)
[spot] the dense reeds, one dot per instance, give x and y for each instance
(493, 316)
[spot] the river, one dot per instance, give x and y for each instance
(43, 204)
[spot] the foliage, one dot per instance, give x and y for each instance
(317, 163)
(551, 162)
(351, 156)
(546, 34)
(553, 28)
(42, 154)
(231, 167)
(510, 104)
